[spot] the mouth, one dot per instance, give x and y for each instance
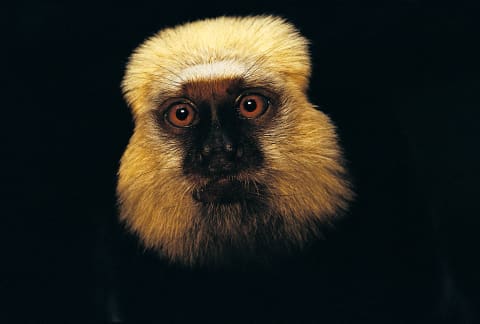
(224, 191)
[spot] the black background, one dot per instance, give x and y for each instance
(399, 78)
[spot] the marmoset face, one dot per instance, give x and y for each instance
(228, 160)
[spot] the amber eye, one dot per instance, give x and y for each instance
(252, 106)
(181, 115)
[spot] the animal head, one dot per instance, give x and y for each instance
(228, 157)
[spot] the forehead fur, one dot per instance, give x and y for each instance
(258, 48)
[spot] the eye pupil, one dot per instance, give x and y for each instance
(250, 105)
(182, 114)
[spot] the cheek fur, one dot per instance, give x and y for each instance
(306, 176)
(154, 198)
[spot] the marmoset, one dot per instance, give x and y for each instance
(229, 159)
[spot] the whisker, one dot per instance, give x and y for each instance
(174, 73)
(255, 66)
(142, 175)
(158, 77)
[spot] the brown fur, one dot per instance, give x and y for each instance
(303, 174)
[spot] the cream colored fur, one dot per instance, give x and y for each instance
(303, 172)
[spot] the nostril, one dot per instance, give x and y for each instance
(239, 151)
(206, 150)
(229, 148)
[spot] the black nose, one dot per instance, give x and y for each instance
(218, 153)
(218, 143)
